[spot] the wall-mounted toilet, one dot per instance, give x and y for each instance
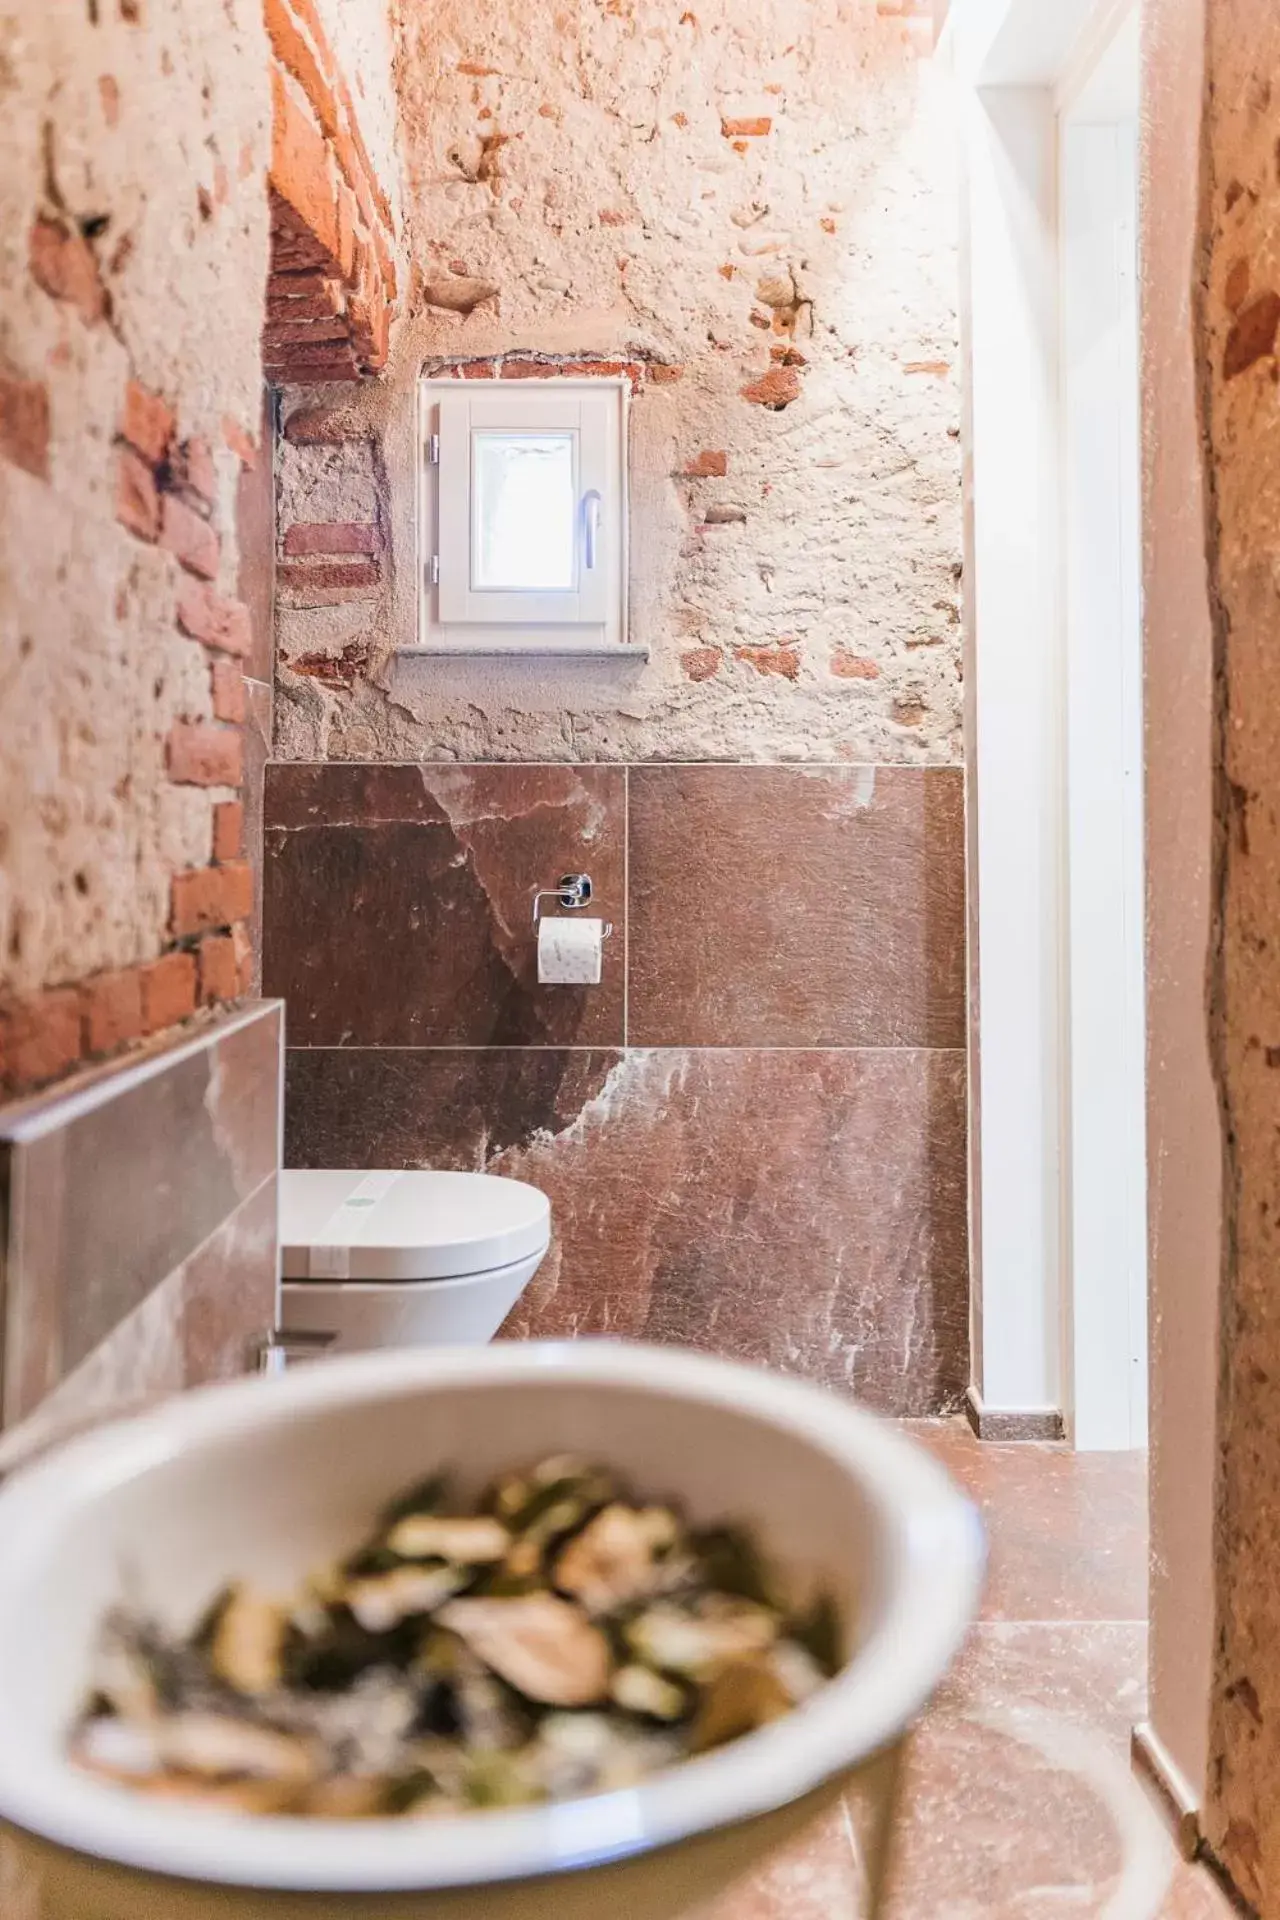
(372, 1259)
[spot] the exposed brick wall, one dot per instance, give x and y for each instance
(167, 495)
(332, 292)
(159, 226)
(750, 209)
(130, 380)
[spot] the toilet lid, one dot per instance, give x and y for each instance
(351, 1224)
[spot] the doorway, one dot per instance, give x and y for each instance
(1048, 101)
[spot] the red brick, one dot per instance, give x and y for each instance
(386, 261)
(754, 126)
(137, 501)
(341, 574)
(168, 991)
(305, 366)
(241, 443)
(40, 1038)
(192, 539)
(320, 427)
(532, 370)
(64, 264)
(353, 126)
(308, 18)
(112, 1010)
(297, 58)
(219, 968)
(784, 661)
(203, 755)
(849, 666)
(194, 468)
(336, 536)
(24, 424)
(776, 389)
(700, 663)
(573, 370)
(478, 370)
(1253, 337)
(370, 318)
(663, 374)
(147, 423)
(228, 691)
(300, 171)
(244, 956)
(208, 897)
(313, 298)
(205, 615)
(228, 830)
(707, 465)
(278, 336)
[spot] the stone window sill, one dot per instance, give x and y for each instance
(619, 650)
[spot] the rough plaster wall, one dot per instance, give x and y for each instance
(585, 166)
(1240, 323)
(1183, 1127)
(120, 125)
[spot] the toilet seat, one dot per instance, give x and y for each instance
(353, 1224)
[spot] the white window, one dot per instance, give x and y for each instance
(524, 517)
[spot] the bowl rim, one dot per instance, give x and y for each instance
(933, 1564)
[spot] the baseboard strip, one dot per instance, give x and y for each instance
(1152, 1759)
(1011, 1423)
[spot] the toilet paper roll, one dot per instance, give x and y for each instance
(570, 951)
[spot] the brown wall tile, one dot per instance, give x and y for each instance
(451, 1108)
(114, 1185)
(800, 1209)
(398, 901)
(797, 906)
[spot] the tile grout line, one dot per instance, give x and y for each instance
(593, 1047)
(1087, 1625)
(640, 766)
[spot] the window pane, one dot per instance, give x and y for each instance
(523, 512)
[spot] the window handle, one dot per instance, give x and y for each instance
(591, 525)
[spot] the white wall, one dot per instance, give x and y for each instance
(1053, 712)
(1010, 275)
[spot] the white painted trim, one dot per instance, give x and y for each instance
(588, 621)
(1014, 741)
(1105, 1342)
(1045, 1333)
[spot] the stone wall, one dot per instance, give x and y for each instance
(132, 268)
(1240, 357)
(757, 205)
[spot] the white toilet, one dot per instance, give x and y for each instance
(404, 1259)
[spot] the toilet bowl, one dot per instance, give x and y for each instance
(381, 1259)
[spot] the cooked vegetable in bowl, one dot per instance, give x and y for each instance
(560, 1638)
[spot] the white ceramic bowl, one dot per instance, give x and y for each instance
(266, 1478)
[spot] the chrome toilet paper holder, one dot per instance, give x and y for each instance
(572, 890)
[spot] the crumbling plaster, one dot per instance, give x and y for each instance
(1239, 335)
(148, 138)
(712, 192)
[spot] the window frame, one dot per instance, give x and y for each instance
(454, 617)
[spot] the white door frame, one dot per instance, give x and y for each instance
(1053, 716)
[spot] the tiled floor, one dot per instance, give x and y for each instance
(1020, 1802)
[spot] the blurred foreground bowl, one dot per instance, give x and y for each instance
(265, 1479)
